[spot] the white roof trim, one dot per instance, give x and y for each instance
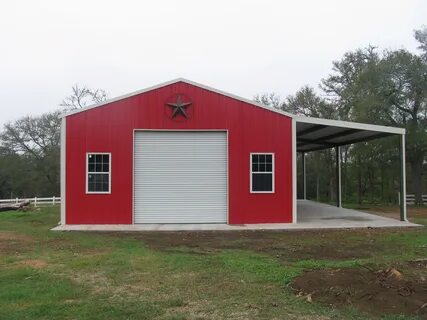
(350, 125)
(164, 84)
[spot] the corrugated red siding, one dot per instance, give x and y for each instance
(110, 129)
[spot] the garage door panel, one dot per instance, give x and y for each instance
(180, 177)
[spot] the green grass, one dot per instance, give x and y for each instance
(76, 275)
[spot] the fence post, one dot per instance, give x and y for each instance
(53, 200)
(16, 201)
(35, 201)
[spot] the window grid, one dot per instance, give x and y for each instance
(262, 173)
(98, 173)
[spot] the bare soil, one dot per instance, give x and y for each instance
(376, 292)
(35, 263)
(12, 242)
(394, 212)
(284, 245)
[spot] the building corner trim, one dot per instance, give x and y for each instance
(63, 168)
(294, 171)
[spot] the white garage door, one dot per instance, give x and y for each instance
(180, 177)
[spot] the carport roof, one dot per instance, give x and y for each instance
(317, 134)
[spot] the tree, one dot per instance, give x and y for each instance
(272, 100)
(30, 148)
(341, 85)
(307, 102)
(421, 37)
(388, 89)
(37, 140)
(83, 96)
(401, 86)
(33, 142)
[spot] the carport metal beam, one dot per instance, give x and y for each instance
(324, 140)
(326, 145)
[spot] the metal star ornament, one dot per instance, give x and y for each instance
(179, 107)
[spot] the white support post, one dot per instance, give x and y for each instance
(63, 154)
(338, 174)
(35, 201)
(53, 200)
(402, 195)
(16, 201)
(294, 171)
(304, 179)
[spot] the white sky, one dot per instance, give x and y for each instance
(243, 47)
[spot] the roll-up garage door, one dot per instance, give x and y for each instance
(180, 177)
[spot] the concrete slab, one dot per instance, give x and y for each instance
(314, 213)
(311, 215)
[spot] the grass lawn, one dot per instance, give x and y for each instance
(200, 275)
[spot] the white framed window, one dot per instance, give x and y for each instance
(98, 172)
(262, 172)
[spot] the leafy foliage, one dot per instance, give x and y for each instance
(30, 149)
(385, 88)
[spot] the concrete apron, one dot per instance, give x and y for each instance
(311, 216)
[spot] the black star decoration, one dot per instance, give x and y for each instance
(179, 107)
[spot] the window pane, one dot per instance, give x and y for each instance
(269, 167)
(98, 167)
(262, 182)
(268, 158)
(105, 167)
(91, 158)
(103, 182)
(106, 158)
(254, 167)
(254, 158)
(98, 182)
(262, 158)
(98, 158)
(90, 182)
(91, 167)
(262, 167)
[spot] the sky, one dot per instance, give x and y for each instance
(242, 47)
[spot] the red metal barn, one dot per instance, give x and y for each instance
(185, 153)
(179, 152)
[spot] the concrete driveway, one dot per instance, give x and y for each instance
(313, 214)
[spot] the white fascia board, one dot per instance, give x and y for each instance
(164, 84)
(350, 125)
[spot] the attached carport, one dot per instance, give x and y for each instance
(312, 134)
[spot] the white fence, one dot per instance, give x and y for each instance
(37, 202)
(410, 199)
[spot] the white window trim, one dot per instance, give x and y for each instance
(87, 173)
(272, 171)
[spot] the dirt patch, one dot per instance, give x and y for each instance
(10, 235)
(34, 263)
(377, 292)
(394, 212)
(12, 242)
(284, 245)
